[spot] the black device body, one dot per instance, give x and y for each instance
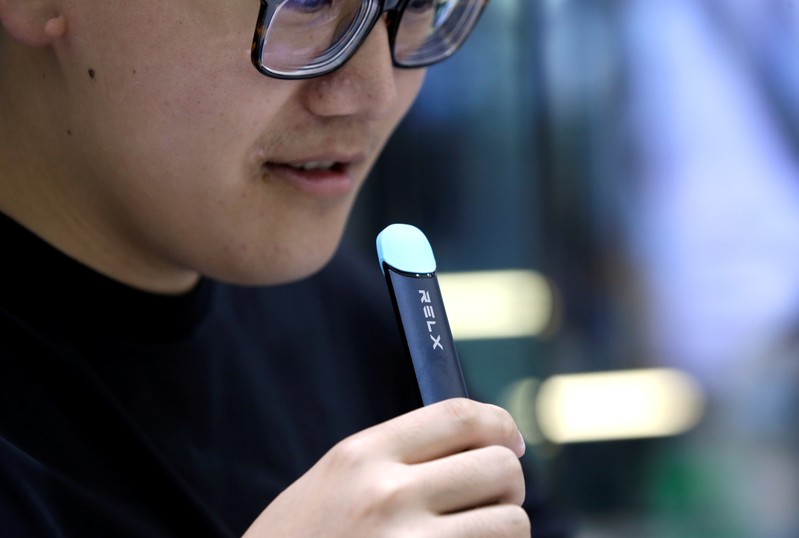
(426, 334)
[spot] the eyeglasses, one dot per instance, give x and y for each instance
(297, 39)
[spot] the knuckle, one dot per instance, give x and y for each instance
(464, 413)
(508, 521)
(349, 452)
(508, 461)
(518, 523)
(506, 424)
(508, 469)
(493, 424)
(385, 495)
(392, 489)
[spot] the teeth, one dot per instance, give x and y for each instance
(314, 165)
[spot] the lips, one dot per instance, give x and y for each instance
(320, 177)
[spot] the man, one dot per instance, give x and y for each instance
(150, 178)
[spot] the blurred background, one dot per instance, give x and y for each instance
(612, 191)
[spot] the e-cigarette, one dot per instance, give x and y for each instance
(409, 266)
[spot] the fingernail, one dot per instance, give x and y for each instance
(521, 447)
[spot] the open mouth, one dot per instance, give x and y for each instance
(320, 177)
(316, 165)
(308, 167)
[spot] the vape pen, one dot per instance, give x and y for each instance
(409, 266)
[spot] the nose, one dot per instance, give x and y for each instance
(365, 86)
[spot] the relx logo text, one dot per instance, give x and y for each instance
(430, 315)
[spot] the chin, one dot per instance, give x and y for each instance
(294, 245)
(280, 266)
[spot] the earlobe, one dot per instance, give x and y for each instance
(32, 22)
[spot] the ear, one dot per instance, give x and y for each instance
(33, 22)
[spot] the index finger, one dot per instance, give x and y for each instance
(446, 428)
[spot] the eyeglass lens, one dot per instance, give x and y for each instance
(312, 35)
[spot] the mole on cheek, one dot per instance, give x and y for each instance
(91, 73)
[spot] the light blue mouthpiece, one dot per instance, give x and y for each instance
(406, 248)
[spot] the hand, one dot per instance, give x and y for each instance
(446, 470)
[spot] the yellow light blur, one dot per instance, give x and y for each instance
(496, 304)
(617, 405)
(519, 399)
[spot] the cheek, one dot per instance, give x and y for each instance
(161, 68)
(409, 83)
(166, 104)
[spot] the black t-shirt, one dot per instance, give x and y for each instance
(124, 413)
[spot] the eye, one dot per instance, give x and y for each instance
(308, 6)
(420, 5)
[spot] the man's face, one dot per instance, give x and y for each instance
(190, 160)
